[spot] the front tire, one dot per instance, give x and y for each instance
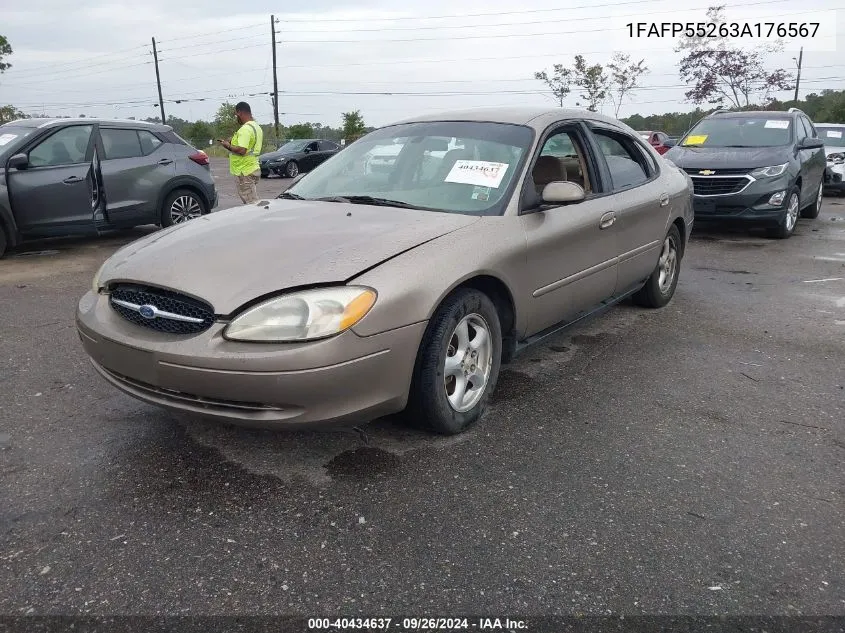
(457, 364)
(660, 287)
(292, 169)
(787, 222)
(812, 211)
(180, 206)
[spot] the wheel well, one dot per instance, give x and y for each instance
(501, 297)
(193, 189)
(798, 183)
(682, 229)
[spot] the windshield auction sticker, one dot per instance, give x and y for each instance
(480, 173)
(7, 138)
(777, 124)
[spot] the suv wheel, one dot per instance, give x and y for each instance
(292, 169)
(787, 222)
(814, 209)
(458, 364)
(180, 206)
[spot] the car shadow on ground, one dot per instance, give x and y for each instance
(55, 245)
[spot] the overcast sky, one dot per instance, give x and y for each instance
(97, 60)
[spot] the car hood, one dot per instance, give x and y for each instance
(727, 157)
(231, 257)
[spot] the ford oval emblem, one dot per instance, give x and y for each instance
(148, 311)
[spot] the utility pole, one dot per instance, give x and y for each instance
(158, 81)
(275, 78)
(798, 79)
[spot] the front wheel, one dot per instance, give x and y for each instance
(812, 211)
(457, 365)
(660, 287)
(292, 169)
(180, 206)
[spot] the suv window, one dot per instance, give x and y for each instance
(627, 165)
(68, 146)
(120, 144)
(808, 126)
(800, 130)
(149, 142)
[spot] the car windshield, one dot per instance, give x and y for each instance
(458, 167)
(832, 136)
(10, 137)
(293, 146)
(740, 132)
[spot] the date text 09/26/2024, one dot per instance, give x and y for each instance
(417, 624)
(726, 29)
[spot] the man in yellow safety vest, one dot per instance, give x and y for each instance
(244, 149)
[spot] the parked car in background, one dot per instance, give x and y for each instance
(762, 168)
(366, 294)
(82, 176)
(297, 156)
(656, 139)
(833, 137)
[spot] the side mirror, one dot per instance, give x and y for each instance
(563, 192)
(811, 143)
(19, 161)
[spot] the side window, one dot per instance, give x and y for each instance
(800, 129)
(627, 164)
(149, 142)
(327, 146)
(562, 158)
(313, 147)
(808, 126)
(120, 144)
(68, 146)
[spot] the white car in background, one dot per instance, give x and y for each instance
(833, 136)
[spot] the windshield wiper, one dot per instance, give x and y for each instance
(376, 202)
(290, 196)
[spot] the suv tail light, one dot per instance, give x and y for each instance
(199, 157)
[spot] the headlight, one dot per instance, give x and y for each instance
(303, 316)
(769, 172)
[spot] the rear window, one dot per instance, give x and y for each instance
(173, 137)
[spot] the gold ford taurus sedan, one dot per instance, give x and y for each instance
(359, 292)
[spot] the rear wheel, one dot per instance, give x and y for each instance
(180, 206)
(457, 365)
(660, 287)
(787, 222)
(813, 210)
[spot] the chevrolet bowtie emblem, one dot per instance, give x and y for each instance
(707, 172)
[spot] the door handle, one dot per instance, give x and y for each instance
(607, 220)
(72, 180)
(165, 161)
(664, 199)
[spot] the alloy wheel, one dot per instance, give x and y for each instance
(185, 208)
(667, 264)
(469, 360)
(792, 212)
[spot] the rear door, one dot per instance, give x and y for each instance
(57, 192)
(639, 200)
(311, 156)
(327, 150)
(136, 165)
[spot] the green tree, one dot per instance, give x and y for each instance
(624, 78)
(11, 113)
(300, 130)
(353, 125)
(560, 82)
(199, 133)
(592, 81)
(224, 121)
(5, 51)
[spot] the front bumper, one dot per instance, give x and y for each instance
(752, 205)
(347, 379)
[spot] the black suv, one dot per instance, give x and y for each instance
(764, 168)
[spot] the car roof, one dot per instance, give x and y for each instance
(48, 122)
(771, 114)
(538, 118)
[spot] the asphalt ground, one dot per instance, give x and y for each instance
(681, 461)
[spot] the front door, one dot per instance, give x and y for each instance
(56, 193)
(571, 249)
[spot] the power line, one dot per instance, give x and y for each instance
(189, 37)
(78, 61)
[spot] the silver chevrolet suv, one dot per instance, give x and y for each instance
(83, 176)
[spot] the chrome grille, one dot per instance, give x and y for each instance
(172, 313)
(718, 185)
